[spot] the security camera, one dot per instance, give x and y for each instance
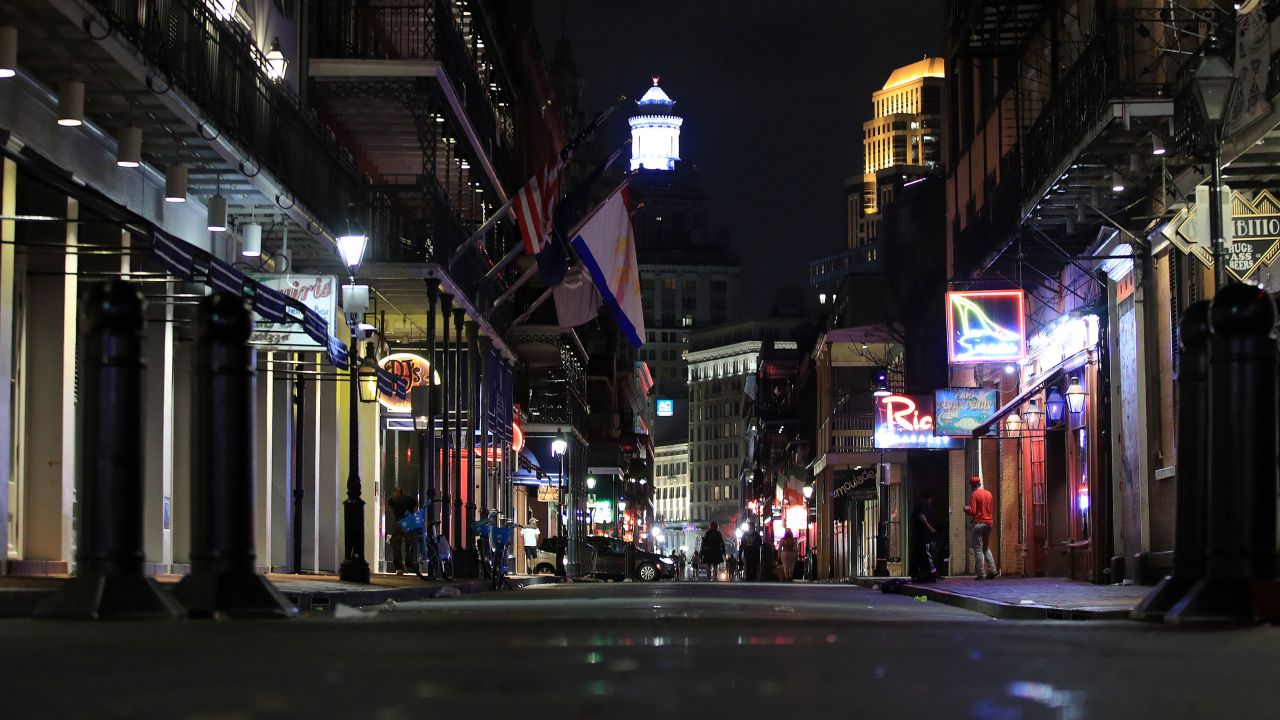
(364, 331)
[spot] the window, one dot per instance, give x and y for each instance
(715, 493)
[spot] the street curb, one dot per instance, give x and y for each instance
(312, 600)
(22, 602)
(994, 608)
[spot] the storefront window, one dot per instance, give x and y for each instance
(1081, 509)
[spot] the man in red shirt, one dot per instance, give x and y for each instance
(980, 509)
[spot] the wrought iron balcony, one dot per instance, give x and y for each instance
(422, 30)
(217, 66)
(849, 433)
(1123, 61)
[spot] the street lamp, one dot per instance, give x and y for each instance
(1034, 416)
(1054, 406)
(277, 63)
(354, 567)
(1075, 396)
(1213, 81)
(352, 243)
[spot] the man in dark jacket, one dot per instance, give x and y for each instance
(752, 542)
(713, 549)
(924, 539)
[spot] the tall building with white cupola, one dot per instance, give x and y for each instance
(655, 132)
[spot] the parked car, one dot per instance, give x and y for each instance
(611, 560)
(550, 557)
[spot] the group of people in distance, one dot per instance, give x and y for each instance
(750, 562)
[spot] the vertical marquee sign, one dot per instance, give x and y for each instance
(986, 326)
(906, 422)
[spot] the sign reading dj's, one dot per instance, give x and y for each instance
(906, 421)
(986, 326)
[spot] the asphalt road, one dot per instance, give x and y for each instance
(664, 650)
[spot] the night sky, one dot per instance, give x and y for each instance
(773, 95)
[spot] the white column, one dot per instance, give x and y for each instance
(70, 292)
(11, 497)
(167, 432)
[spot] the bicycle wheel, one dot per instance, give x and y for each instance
(417, 558)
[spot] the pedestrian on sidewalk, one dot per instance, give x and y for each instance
(713, 549)
(787, 552)
(399, 506)
(980, 509)
(752, 543)
(530, 534)
(924, 541)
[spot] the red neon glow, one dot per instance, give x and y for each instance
(517, 436)
(901, 412)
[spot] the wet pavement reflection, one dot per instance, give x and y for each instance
(634, 650)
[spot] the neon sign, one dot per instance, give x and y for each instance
(986, 326)
(907, 422)
(666, 407)
(413, 369)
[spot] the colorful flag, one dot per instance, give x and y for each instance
(606, 244)
(534, 206)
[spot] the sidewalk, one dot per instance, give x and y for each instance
(19, 596)
(1028, 598)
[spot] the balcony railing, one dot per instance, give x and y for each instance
(847, 433)
(414, 30)
(1121, 61)
(217, 66)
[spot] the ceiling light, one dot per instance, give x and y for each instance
(129, 147)
(1157, 145)
(251, 236)
(71, 104)
(8, 52)
(175, 183)
(217, 213)
(1117, 182)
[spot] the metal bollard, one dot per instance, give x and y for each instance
(223, 578)
(109, 581)
(1242, 463)
(1192, 464)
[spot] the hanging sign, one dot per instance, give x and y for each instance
(856, 484)
(413, 369)
(907, 422)
(986, 326)
(318, 292)
(957, 411)
(1255, 230)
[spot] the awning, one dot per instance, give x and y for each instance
(1045, 379)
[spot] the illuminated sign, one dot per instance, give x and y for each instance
(986, 326)
(957, 411)
(907, 422)
(517, 436)
(317, 292)
(411, 368)
(666, 408)
(858, 484)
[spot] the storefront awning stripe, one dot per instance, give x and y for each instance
(189, 262)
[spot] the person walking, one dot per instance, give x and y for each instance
(924, 539)
(399, 506)
(980, 509)
(713, 549)
(752, 542)
(529, 534)
(787, 554)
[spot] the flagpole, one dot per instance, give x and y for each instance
(512, 254)
(528, 274)
(481, 232)
(493, 220)
(536, 304)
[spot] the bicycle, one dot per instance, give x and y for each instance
(491, 546)
(428, 553)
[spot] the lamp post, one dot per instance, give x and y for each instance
(1213, 82)
(355, 300)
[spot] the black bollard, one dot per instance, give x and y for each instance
(109, 581)
(223, 578)
(1193, 467)
(1242, 461)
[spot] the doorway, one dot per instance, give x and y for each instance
(1057, 513)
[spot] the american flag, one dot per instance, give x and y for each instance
(535, 204)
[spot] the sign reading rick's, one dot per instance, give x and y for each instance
(904, 421)
(986, 326)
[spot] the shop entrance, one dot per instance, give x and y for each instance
(1057, 560)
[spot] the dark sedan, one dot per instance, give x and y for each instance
(611, 560)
